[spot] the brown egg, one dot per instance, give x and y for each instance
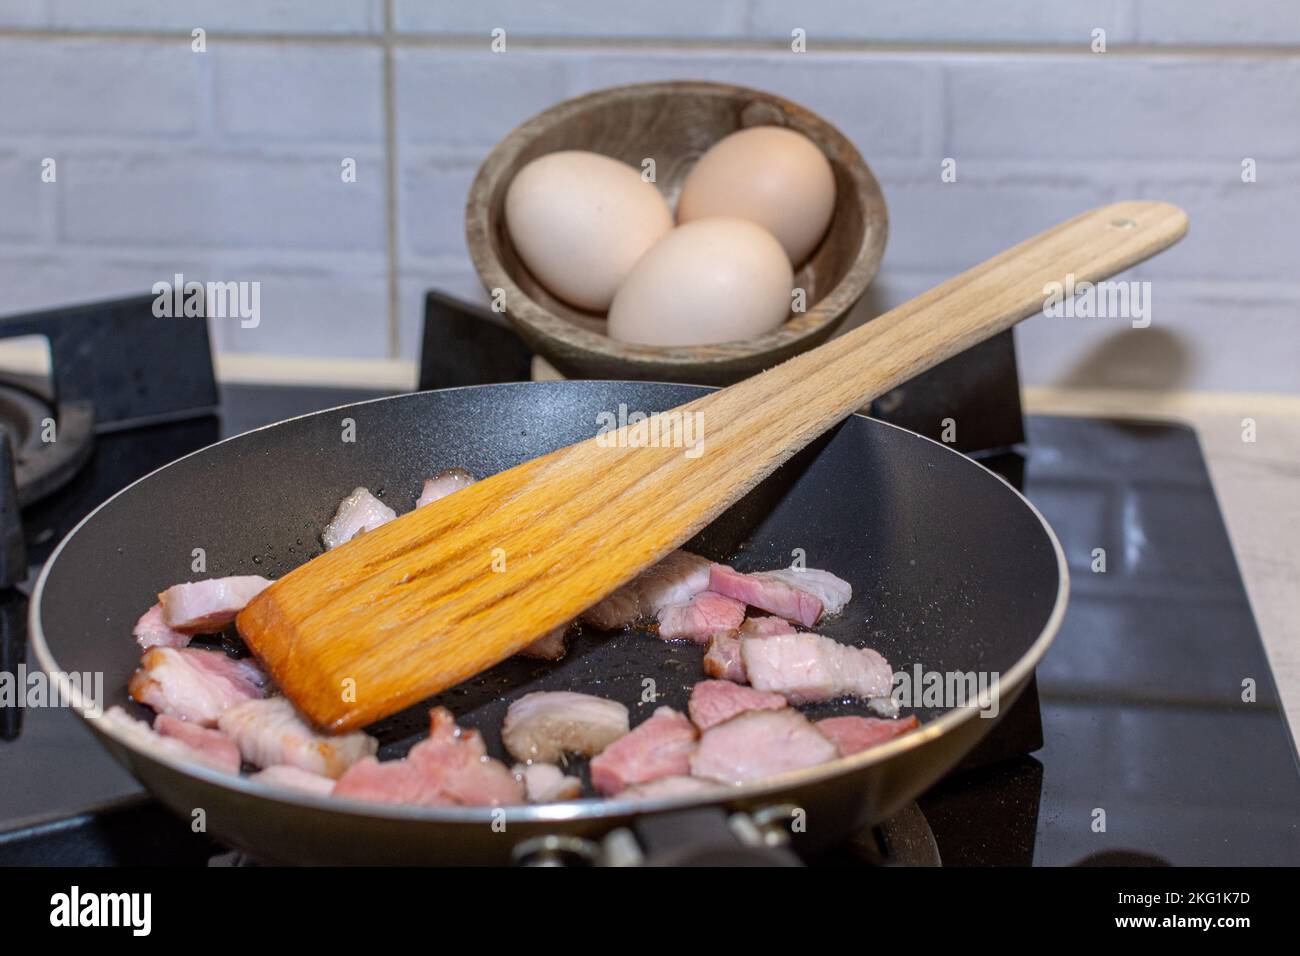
(713, 280)
(772, 176)
(580, 221)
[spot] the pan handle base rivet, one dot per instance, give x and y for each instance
(555, 850)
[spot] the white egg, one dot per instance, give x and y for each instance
(772, 176)
(712, 280)
(580, 221)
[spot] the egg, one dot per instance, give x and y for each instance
(580, 221)
(708, 281)
(769, 175)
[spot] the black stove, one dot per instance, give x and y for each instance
(1155, 735)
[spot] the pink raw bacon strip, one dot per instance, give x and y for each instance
(714, 701)
(450, 767)
(832, 591)
(809, 667)
(152, 631)
(762, 626)
(677, 578)
(195, 685)
(393, 781)
(215, 748)
(658, 747)
(769, 594)
(182, 740)
(854, 734)
(272, 733)
(295, 778)
(700, 618)
(458, 760)
(723, 660)
(205, 607)
(760, 744)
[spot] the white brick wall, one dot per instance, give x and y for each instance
(285, 92)
(680, 19)
(1102, 108)
(904, 21)
(1214, 21)
(467, 99)
(293, 17)
(20, 198)
(214, 199)
(884, 103)
(22, 13)
(226, 164)
(79, 88)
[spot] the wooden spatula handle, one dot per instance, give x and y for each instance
(444, 592)
(817, 388)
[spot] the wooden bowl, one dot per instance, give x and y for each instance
(674, 123)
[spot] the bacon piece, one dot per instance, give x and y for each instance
(713, 701)
(658, 747)
(459, 761)
(152, 631)
(213, 747)
(442, 484)
(809, 667)
(195, 685)
(393, 781)
(271, 732)
(295, 778)
(854, 734)
(678, 577)
(762, 626)
(767, 593)
(180, 743)
(358, 512)
(548, 647)
(450, 767)
(547, 783)
(674, 580)
(723, 660)
(833, 592)
(700, 618)
(205, 607)
(759, 744)
(545, 725)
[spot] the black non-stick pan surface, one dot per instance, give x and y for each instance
(951, 569)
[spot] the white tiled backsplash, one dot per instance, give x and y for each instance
(226, 164)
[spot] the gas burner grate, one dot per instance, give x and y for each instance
(113, 365)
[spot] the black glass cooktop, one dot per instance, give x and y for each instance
(1153, 751)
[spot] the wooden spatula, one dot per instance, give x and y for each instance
(452, 588)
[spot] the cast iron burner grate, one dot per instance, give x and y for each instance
(113, 365)
(47, 442)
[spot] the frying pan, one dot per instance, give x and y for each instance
(951, 570)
